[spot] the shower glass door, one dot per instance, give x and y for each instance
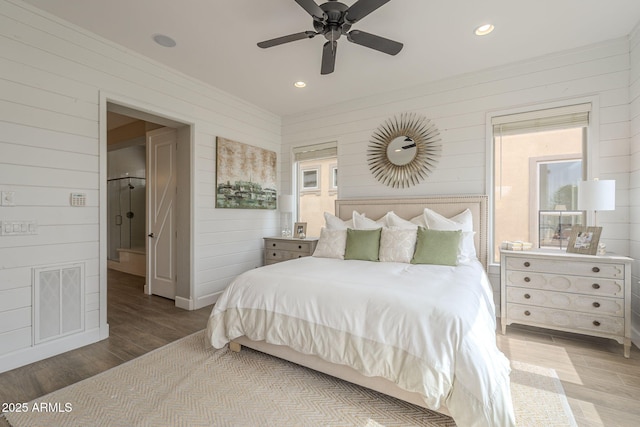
(126, 226)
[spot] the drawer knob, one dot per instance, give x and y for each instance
(596, 323)
(299, 256)
(274, 245)
(274, 254)
(527, 279)
(527, 313)
(595, 269)
(527, 264)
(299, 246)
(596, 304)
(595, 286)
(527, 296)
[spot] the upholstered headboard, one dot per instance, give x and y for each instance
(411, 207)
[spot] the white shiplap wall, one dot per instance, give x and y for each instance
(634, 178)
(459, 106)
(52, 75)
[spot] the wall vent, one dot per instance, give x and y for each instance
(58, 301)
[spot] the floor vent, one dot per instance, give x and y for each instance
(58, 301)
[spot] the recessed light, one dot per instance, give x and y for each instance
(483, 30)
(300, 84)
(163, 40)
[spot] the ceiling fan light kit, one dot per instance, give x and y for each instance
(333, 20)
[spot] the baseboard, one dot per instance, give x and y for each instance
(184, 303)
(42, 351)
(104, 332)
(206, 300)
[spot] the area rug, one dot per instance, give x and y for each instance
(187, 383)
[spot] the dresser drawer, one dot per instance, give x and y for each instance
(584, 294)
(554, 319)
(280, 255)
(284, 249)
(288, 245)
(567, 301)
(577, 284)
(592, 268)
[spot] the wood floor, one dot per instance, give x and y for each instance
(138, 323)
(603, 388)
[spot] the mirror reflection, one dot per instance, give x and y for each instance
(401, 151)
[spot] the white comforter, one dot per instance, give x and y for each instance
(430, 329)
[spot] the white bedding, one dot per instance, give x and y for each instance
(430, 329)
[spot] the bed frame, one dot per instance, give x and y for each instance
(375, 208)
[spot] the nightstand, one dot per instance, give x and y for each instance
(584, 294)
(278, 249)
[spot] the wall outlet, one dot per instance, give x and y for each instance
(7, 198)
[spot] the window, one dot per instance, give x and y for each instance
(557, 205)
(316, 179)
(334, 177)
(539, 157)
(310, 179)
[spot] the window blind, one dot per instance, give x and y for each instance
(542, 120)
(316, 151)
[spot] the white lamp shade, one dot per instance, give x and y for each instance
(597, 195)
(285, 203)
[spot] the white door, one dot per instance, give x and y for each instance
(161, 212)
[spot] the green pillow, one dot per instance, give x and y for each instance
(437, 247)
(363, 244)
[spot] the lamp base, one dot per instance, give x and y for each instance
(285, 224)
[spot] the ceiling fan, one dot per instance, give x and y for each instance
(334, 19)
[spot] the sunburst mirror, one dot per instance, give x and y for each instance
(404, 150)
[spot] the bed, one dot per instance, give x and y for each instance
(419, 332)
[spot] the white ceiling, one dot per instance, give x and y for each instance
(216, 41)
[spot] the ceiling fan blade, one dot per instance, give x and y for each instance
(286, 39)
(374, 42)
(312, 9)
(362, 8)
(329, 57)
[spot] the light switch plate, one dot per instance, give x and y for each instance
(7, 198)
(18, 228)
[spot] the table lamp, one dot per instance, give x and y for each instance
(285, 205)
(597, 195)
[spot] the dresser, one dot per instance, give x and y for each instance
(278, 249)
(583, 294)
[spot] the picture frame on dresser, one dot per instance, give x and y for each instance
(584, 240)
(300, 230)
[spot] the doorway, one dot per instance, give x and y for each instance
(132, 181)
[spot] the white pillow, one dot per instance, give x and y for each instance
(462, 221)
(331, 244)
(393, 220)
(361, 222)
(397, 244)
(335, 223)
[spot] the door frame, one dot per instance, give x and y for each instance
(186, 136)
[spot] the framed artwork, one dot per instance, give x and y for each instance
(584, 240)
(245, 176)
(300, 230)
